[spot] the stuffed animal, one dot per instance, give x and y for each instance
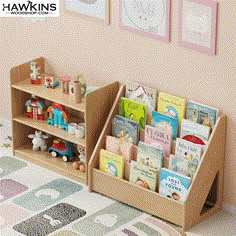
(38, 141)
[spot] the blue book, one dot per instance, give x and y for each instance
(174, 185)
(126, 129)
(202, 114)
(165, 122)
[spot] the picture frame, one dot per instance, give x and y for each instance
(97, 9)
(197, 25)
(149, 18)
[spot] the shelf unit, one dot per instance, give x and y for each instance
(204, 195)
(94, 110)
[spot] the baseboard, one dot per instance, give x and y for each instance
(229, 208)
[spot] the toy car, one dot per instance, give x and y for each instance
(64, 149)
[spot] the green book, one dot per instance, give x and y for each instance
(133, 110)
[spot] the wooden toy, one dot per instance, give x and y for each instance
(57, 116)
(35, 75)
(35, 108)
(65, 80)
(64, 149)
(50, 82)
(81, 78)
(38, 141)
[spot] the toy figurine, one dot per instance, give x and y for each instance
(50, 82)
(35, 108)
(57, 116)
(35, 75)
(38, 141)
(80, 165)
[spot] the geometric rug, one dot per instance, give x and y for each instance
(35, 201)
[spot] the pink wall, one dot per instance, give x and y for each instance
(72, 44)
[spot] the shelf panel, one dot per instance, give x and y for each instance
(50, 94)
(44, 159)
(55, 131)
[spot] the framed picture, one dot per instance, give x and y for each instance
(93, 8)
(197, 25)
(146, 17)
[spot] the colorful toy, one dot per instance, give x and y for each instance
(38, 141)
(35, 75)
(57, 116)
(64, 149)
(80, 165)
(50, 82)
(35, 108)
(65, 80)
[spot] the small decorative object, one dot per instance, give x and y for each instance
(197, 25)
(35, 75)
(71, 128)
(81, 78)
(94, 8)
(80, 165)
(80, 131)
(38, 141)
(65, 80)
(35, 108)
(50, 82)
(57, 116)
(150, 18)
(64, 149)
(75, 90)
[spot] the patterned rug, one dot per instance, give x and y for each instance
(35, 202)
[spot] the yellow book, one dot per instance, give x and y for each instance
(111, 163)
(171, 105)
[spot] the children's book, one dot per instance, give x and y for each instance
(188, 151)
(182, 166)
(133, 110)
(202, 114)
(126, 129)
(141, 94)
(143, 176)
(111, 163)
(150, 155)
(174, 185)
(172, 106)
(194, 132)
(165, 122)
(120, 146)
(155, 135)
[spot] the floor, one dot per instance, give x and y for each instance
(221, 224)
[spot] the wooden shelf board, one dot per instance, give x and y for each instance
(55, 131)
(56, 164)
(49, 94)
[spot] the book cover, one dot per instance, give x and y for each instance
(202, 114)
(120, 146)
(194, 132)
(150, 155)
(182, 166)
(155, 135)
(126, 129)
(111, 163)
(141, 94)
(133, 110)
(165, 122)
(171, 105)
(187, 150)
(143, 176)
(174, 185)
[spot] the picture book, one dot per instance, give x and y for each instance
(155, 135)
(194, 132)
(174, 185)
(126, 129)
(188, 151)
(111, 163)
(182, 166)
(141, 94)
(202, 114)
(120, 146)
(165, 122)
(133, 110)
(150, 155)
(143, 176)
(171, 105)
